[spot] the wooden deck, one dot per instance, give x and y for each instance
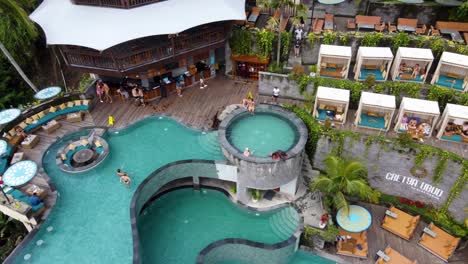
(379, 239)
(196, 107)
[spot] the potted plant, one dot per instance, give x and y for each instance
(256, 195)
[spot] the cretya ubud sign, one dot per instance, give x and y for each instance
(416, 184)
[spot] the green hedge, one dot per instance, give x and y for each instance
(440, 217)
(398, 89)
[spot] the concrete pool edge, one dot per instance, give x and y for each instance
(135, 210)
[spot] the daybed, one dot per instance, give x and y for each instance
(442, 245)
(351, 242)
(403, 225)
(394, 258)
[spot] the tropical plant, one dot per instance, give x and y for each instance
(344, 177)
(312, 38)
(460, 13)
(437, 45)
(276, 67)
(241, 41)
(281, 5)
(401, 40)
(371, 39)
(264, 43)
(286, 41)
(17, 34)
(329, 38)
(344, 39)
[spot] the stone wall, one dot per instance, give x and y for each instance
(426, 14)
(389, 172)
(288, 88)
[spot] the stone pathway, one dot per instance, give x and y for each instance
(309, 202)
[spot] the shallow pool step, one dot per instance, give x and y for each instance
(284, 223)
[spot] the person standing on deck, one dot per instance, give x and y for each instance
(111, 121)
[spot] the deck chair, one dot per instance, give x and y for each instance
(351, 24)
(422, 30)
(434, 31)
(380, 27)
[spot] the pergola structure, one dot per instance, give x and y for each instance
(411, 64)
(453, 125)
(452, 71)
(331, 104)
(373, 61)
(334, 61)
(375, 111)
(417, 117)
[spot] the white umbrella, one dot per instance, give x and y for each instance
(8, 115)
(47, 93)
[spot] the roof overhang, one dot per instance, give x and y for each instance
(100, 28)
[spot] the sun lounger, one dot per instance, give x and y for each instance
(391, 256)
(252, 19)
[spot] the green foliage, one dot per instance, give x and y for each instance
(344, 178)
(371, 39)
(437, 45)
(286, 40)
(344, 39)
(428, 214)
(405, 140)
(276, 67)
(329, 38)
(460, 13)
(256, 194)
(457, 187)
(462, 49)
(241, 41)
(233, 189)
(369, 81)
(311, 38)
(313, 68)
(401, 40)
(442, 95)
(440, 167)
(425, 152)
(11, 234)
(265, 43)
(85, 81)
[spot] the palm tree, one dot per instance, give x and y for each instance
(16, 30)
(342, 178)
(281, 5)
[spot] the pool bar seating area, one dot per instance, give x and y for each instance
(348, 245)
(411, 64)
(453, 124)
(452, 71)
(438, 242)
(417, 117)
(375, 111)
(373, 61)
(332, 104)
(334, 61)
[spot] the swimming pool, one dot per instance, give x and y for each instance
(90, 222)
(189, 220)
(263, 133)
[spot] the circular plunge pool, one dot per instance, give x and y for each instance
(262, 132)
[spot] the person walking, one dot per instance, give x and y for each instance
(276, 92)
(203, 85)
(107, 96)
(111, 121)
(99, 90)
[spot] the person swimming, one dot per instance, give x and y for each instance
(246, 152)
(125, 179)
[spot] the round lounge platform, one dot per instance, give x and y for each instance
(82, 155)
(265, 173)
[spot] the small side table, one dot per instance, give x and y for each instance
(19, 156)
(30, 141)
(51, 126)
(74, 117)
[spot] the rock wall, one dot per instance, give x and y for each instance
(288, 88)
(390, 172)
(426, 14)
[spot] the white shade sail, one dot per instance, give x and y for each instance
(65, 23)
(379, 100)
(375, 52)
(419, 105)
(333, 94)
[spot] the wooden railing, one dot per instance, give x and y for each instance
(116, 3)
(127, 60)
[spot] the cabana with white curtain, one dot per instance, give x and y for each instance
(334, 61)
(332, 104)
(375, 111)
(452, 71)
(417, 117)
(453, 125)
(373, 61)
(411, 64)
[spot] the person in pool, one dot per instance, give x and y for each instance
(120, 173)
(246, 152)
(125, 180)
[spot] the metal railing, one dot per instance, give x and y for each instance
(116, 3)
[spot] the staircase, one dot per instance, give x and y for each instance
(285, 222)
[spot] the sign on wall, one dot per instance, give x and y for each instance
(415, 184)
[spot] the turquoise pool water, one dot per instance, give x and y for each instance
(302, 257)
(90, 222)
(189, 220)
(262, 133)
(91, 219)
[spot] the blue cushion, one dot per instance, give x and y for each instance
(3, 165)
(51, 116)
(19, 195)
